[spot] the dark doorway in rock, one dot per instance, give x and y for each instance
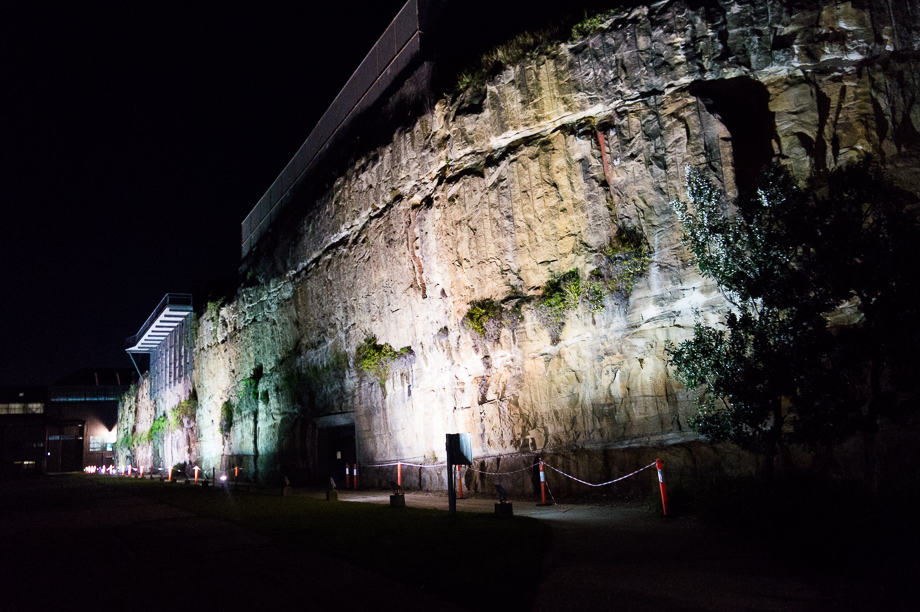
(743, 105)
(335, 448)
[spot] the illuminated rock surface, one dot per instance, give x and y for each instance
(474, 202)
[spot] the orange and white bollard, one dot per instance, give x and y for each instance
(142, 471)
(169, 477)
(664, 493)
(459, 484)
(398, 475)
(196, 474)
(129, 469)
(542, 484)
(354, 478)
(347, 476)
(236, 472)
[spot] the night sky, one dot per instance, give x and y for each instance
(133, 141)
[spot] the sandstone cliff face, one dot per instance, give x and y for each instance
(136, 414)
(488, 200)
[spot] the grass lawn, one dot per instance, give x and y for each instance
(500, 558)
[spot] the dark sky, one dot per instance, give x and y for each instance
(134, 138)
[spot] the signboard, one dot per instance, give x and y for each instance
(459, 449)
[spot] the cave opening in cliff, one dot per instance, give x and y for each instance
(743, 106)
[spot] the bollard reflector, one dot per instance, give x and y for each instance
(542, 485)
(659, 464)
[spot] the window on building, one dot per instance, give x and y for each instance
(22, 408)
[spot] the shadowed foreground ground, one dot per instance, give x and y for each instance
(73, 542)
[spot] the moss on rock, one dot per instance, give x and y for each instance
(375, 358)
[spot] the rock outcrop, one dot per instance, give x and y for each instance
(488, 200)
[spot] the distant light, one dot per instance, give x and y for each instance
(223, 478)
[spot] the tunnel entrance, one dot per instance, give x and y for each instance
(335, 447)
(743, 106)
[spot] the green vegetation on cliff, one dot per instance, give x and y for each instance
(592, 23)
(124, 442)
(487, 317)
(226, 417)
(249, 386)
(567, 26)
(375, 358)
(513, 51)
(183, 413)
(561, 294)
(622, 263)
(481, 312)
(158, 427)
(213, 313)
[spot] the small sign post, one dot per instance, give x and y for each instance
(459, 452)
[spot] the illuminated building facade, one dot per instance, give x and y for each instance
(166, 338)
(82, 412)
(63, 427)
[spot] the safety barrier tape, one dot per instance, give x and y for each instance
(599, 484)
(523, 469)
(404, 463)
(553, 497)
(441, 465)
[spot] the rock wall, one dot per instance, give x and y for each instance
(489, 199)
(151, 433)
(136, 412)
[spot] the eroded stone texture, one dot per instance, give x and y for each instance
(136, 414)
(485, 204)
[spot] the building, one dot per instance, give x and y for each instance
(63, 427)
(22, 431)
(81, 417)
(165, 344)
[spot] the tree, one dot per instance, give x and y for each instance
(786, 258)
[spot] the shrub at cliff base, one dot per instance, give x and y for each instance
(786, 257)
